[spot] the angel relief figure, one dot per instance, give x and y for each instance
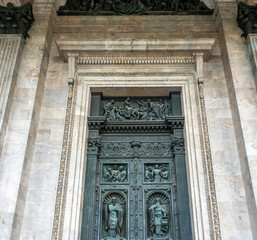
(114, 215)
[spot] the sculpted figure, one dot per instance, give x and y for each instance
(114, 218)
(110, 110)
(157, 173)
(158, 219)
(108, 175)
(164, 173)
(122, 174)
(149, 174)
(115, 174)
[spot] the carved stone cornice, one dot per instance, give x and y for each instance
(181, 49)
(94, 145)
(16, 20)
(247, 18)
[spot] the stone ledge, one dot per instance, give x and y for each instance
(139, 48)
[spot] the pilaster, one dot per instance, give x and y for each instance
(252, 51)
(11, 49)
(18, 146)
(243, 100)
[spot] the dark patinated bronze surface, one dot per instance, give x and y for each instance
(136, 183)
(247, 18)
(128, 7)
(16, 20)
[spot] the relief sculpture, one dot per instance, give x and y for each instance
(158, 214)
(156, 173)
(114, 173)
(124, 149)
(114, 214)
(136, 110)
(132, 6)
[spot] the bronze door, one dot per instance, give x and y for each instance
(136, 186)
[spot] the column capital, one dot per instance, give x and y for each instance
(177, 144)
(94, 145)
(16, 20)
(72, 63)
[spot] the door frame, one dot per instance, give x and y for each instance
(204, 214)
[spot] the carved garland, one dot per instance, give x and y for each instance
(61, 194)
(213, 198)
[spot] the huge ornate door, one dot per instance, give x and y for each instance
(135, 183)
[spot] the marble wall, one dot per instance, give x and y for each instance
(32, 147)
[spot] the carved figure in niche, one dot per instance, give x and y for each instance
(115, 174)
(157, 174)
(114, 215)
(158, 214)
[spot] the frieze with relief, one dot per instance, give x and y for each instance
(127, 7)
(110, 149)
(136, 110)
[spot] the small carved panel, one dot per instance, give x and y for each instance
(157, 172)
(115, 173)
(114, 215)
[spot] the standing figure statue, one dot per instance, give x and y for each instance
(113, 218)
(158, 219)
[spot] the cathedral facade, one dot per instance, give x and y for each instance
(126, 119)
